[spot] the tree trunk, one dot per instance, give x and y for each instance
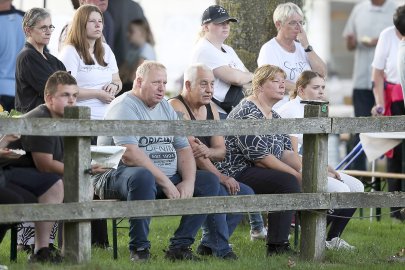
(255, 26)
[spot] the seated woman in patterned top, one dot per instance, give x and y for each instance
(266, 163)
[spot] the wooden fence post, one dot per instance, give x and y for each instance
(77, 235)
(314, 179)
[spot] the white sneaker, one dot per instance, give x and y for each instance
(258, 235)
(338, 244)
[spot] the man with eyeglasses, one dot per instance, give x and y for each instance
(290, 49)
(11, 43)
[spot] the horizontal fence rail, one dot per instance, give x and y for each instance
(75, 127)
(229, 204)
(78, 208)
(368, 124)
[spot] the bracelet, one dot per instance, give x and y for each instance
(116, 84)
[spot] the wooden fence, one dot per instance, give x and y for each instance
(79, 208)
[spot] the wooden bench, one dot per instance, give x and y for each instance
(366, 176)
(78, 210)
(369, 174)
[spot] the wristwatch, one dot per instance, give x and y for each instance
(309, 49)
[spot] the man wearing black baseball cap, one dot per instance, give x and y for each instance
(216, 14)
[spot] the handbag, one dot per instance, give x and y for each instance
(232, 98)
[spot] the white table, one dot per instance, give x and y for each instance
(377, 144)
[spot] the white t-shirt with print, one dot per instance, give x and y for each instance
(90, 76)
(293, 63)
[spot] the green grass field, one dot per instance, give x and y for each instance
(375, 242)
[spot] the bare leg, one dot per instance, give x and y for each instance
(43, 230)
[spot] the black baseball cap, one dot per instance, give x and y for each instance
(216, 14)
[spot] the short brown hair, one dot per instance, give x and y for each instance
(399, 19)
(57, 78)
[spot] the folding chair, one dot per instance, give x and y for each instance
(13, 244)
(115, 226)
(349, 158)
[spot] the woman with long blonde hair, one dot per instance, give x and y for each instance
(91, 61)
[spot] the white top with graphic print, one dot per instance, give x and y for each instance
(292, 63)
(90, 76)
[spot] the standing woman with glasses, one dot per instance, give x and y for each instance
(91, 61)
(290, 49)
(34, 63)
(34, 66)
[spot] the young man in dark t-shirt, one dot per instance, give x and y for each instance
(40, 171)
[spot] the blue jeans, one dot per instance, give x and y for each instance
(206, 184)
(130, 184)
(233, 219)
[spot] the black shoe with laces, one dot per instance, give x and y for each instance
(203, 250)
(45, 255)
(140, 255)
(276, 249)
(230, 256)
(184, 253)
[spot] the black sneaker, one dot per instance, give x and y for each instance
(276, 249)
(140, 255)
(55, 253)
(45, 255)
(29, 249)
(203, 250)
(184, 253)
(230, 256)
